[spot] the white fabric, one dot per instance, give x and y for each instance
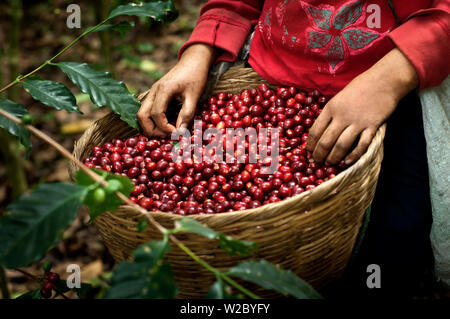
(436, 117)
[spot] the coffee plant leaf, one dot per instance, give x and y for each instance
(84, 289)
(190, 225)
(52, 94)
(103, 90)
(272, 277)
(111, 201)
(229, 244)
(146, 277)
(123, 27)
(234, 246)
(33, 294)
(162, 11)
(35, 222)
(219, 290)
(13, 128)
(141, 226)
(61, 286)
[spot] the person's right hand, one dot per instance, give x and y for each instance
(186, 80)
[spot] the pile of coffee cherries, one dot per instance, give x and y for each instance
(207, 187)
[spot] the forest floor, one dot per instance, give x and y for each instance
(139, 59)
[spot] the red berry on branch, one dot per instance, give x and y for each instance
(52, 277)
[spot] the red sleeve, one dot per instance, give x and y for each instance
(425, 40)
(225, 24)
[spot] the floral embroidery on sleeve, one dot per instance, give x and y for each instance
(337, 33)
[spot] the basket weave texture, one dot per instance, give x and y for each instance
(312, 234)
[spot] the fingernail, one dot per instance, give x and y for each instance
(348, 161)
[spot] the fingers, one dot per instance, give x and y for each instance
(364, 142)
(327, 141)
(343, 145)
(317, 130)
(162, 99)
(187, 112)
(144, 114)
(143, 95)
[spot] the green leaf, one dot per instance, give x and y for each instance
(114, 185)
(103, 90)
(163, 11)
(52, 94)
(33, 294)
(10, 126)
(229, 244)
(83, 290)
(142, 225)
(111, 201)
(122, 27)
(61, 286)
(235, 246)
(36, 222)
(271, 277)
(190, 225)
(219, 290)
(35, 77)
(148, 276)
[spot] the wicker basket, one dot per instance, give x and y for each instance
(313, 233)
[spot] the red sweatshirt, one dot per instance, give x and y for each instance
(325, 44)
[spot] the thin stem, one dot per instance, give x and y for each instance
(4, 284)
(99, 179)
(9, 85)
(60, 293)
(49, 61)
(56, 145)
(89, 30)
(216, 272)
(26, 273)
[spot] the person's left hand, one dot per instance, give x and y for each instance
(359, 109)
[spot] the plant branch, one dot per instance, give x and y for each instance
(49, 61)
(215, 271)
(99, 179)
(9, 85)
(26, 273)
(36, 278)
(56, 145)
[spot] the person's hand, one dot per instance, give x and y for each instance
(359, 109)
(186, 81)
